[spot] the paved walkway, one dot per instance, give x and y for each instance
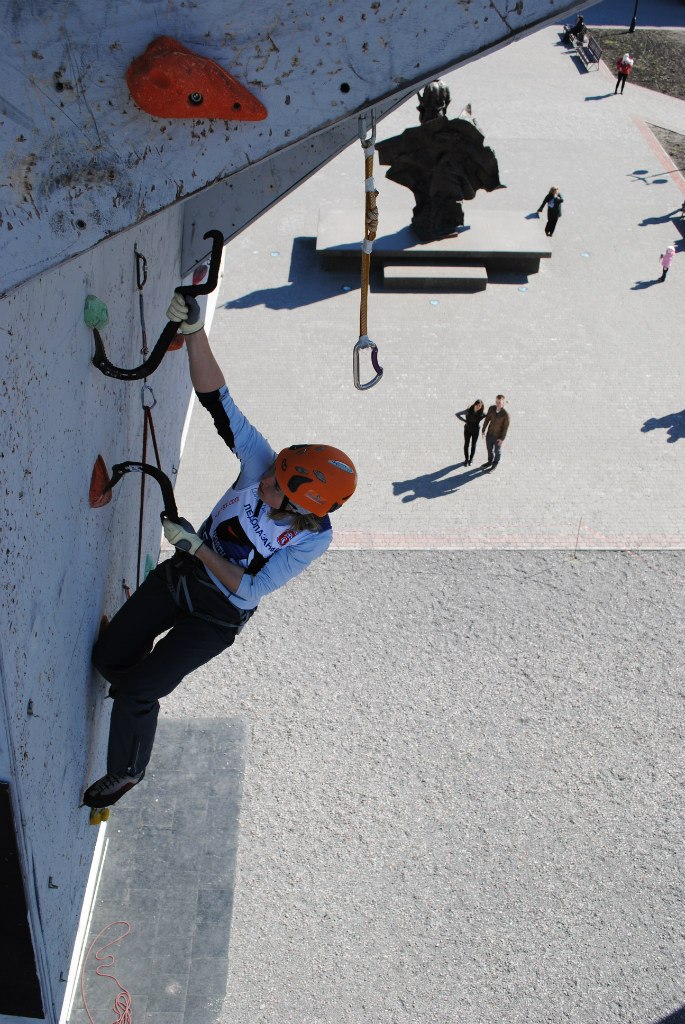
(589, 351)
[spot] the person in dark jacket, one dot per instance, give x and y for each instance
(471, 418)
(495, 430)
(578, 30)
(552, 201)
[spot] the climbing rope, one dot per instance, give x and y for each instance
(106, 962)
(148, 427)
(146, 390)
(370, 229)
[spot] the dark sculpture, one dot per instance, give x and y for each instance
(442, 161)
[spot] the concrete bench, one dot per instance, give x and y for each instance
(426, 277)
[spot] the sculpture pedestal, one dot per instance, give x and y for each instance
(496, 239)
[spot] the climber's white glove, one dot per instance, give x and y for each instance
(185, 311)
(181, 535)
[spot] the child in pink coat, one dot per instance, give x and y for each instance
(665, 259)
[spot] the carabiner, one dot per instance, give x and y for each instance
(364, 343)
(141, 268)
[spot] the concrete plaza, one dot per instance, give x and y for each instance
(588, 352)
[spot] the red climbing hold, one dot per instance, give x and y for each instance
(200, 273)
(97, 496)
(169, 80)
(178, 342)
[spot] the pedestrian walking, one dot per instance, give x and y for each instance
(495, 430)
(552, 201)
(624, 65)
(666, 259)
(267, 528)
(472, 418)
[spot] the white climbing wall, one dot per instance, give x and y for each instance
(82, 161)
(62, 562)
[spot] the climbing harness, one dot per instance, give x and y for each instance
(177, 572)
(370, 228)
(152, 361)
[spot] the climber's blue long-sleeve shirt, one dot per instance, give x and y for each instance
(240, 528)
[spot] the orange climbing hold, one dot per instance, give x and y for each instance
(97, 497)
(169, 80)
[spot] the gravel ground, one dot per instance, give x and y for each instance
(468, 805)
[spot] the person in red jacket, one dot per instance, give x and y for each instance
(624, 65)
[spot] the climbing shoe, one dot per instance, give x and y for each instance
(110, 788)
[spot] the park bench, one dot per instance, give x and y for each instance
(588, 49)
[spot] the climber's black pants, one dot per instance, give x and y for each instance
(177, 596)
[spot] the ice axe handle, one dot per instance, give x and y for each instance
(170, 331)
(121, 468)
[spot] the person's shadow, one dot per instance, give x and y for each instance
(602, 96)
(436, 484)
(674, 424)
(641, 285)
(659, 220)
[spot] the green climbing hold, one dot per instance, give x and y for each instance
(95, 312)
(150, 564)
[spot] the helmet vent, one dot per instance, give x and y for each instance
(341, 465)
(295, 482)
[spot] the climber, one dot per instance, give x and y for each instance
(266, 529)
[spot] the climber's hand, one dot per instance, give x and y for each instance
(181, 535)
(185, 311)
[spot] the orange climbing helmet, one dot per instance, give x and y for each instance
(316, 478)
